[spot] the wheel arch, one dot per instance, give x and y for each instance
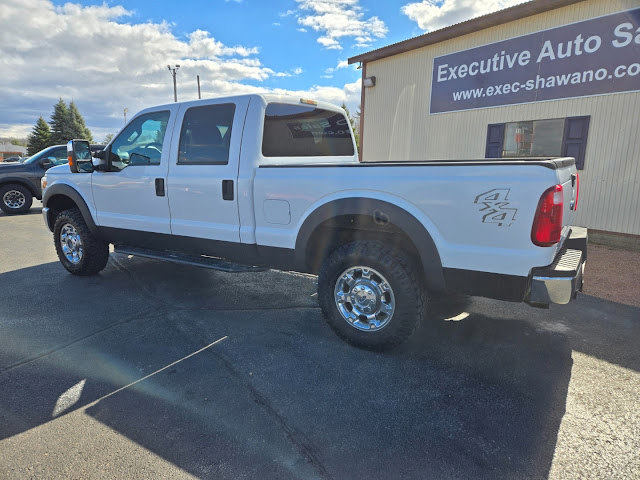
(341, 221)
(20, 181)
(61, 197)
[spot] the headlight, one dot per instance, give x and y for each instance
(43, 182)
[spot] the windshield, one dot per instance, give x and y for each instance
(57, 155)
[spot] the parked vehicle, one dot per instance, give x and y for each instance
(11, 159)
(20, 181)
(271, 181)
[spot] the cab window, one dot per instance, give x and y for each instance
(303, 131)
(206, 135)
(140, 143)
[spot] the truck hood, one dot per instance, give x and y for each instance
(59, 169)
(9, 168)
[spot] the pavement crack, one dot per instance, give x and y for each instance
(76, 340)
(295, 437)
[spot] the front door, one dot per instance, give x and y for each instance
(132, 194)
(203, 172)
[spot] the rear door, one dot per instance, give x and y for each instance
(203, 172)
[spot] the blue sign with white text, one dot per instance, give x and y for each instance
(593, 57)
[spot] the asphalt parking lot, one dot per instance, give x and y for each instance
(153, 370)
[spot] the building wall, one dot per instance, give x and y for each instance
(397, 124)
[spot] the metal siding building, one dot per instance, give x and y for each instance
(397, 125)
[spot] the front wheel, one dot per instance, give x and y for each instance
(15, 198)
(371, 295)
(79, 251)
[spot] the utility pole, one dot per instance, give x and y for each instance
(125, 115)
(173, 74)
(199, 97)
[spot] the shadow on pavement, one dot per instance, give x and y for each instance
(281, 396)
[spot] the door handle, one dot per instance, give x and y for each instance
(227, 189)
(160, 187)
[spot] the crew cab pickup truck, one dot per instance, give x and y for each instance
(254, 181)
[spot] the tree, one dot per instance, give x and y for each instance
(354, 124)
(80, 130)
(108, 137)
(67, 123)
(61, 129)
(39, 138)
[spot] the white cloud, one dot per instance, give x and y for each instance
(92, 56)
(435, 14)
(341, 64)
(337, 19)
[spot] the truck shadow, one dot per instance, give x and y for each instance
(280, 396)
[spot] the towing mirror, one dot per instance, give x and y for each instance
(79, 155)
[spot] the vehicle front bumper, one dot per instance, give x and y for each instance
(562, 280)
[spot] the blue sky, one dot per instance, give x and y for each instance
(114, 55)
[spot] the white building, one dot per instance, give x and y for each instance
(544, 78)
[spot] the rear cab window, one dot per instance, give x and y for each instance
(305, 131)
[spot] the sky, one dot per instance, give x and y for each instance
(113, 55)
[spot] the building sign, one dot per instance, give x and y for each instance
(594, 57)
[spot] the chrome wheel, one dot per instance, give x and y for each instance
(364, 298)
(14, 199)
(71, 243)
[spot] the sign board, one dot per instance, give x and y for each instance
(594, 57)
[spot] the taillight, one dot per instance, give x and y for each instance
(575, 204)
(547, 224)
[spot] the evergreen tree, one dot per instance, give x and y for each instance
(67, 123)
(61, 126)
(80, 130)
(39, 138)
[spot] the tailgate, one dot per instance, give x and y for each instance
(568, 177)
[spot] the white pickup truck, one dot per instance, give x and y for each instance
(254, 181)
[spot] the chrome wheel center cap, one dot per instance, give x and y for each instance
(364, 298)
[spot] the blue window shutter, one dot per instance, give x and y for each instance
(495, 140)
(574, 142)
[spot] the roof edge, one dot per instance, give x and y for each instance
(500, 17)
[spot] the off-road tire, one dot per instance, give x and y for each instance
(15, 198)
(95, 251)
(403, 278)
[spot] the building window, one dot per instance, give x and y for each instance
(558, 137)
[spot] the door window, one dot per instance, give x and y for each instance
(206, 135)
(140, 143)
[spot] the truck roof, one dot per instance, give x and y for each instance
(265, 98)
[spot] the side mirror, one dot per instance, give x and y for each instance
(79, 155)
(46, 163)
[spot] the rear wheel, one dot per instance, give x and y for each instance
(371, 295)
(79, 251)
(15, 198)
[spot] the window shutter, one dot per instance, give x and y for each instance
(495, 140)
(574, 142)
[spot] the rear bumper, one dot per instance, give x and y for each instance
(562, 280)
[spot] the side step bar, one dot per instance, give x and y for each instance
(194, 260)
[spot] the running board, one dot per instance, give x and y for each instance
(194, 260)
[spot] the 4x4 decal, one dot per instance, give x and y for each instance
(495, 207)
